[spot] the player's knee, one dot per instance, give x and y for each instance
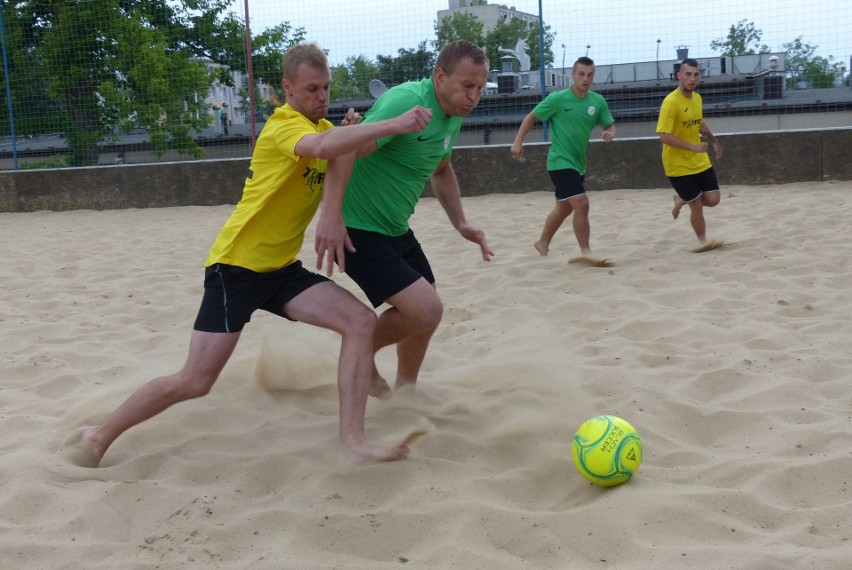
(563, 209)
(580, 204)
(711, 199)
(430, 314)
(360, 321)
(196, 386)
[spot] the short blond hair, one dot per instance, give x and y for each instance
(298, 54)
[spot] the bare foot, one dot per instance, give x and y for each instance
(379, 388)
(81, 448)
(709, 246)
(678, 204)
(361, 454)
(541, 248)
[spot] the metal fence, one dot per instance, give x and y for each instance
(97, 82)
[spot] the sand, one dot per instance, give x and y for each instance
(734, 365)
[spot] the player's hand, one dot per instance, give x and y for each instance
(717, 149)
(517, 151)
(414, 120)
(351, 118)
(476, 235)
(700, 147)
(608, 135)
(331, 238)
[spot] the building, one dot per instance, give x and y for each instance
(227, 97)
(489, 14)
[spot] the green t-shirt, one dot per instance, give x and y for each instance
(571, 122)
(385, 185)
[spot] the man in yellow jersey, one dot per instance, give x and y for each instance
(685, 160)
(366, 231)
(252, 264)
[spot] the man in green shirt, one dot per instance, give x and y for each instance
(376, 247)
(572, 114)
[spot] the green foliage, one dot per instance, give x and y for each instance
(506, 35)
(464, 26)
(350, 80)
(409, 65)
(263, 107)
(802, 64)
(268, 48)
(90, 68)
(742, 39)
(459, 26)
(59, 162)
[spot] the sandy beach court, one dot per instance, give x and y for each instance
(734, 365)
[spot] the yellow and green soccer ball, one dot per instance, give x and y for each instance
(607, 450)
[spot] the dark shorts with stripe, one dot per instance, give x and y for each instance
(568, 183)
(691, 186)
(232, 294)
(384, 265)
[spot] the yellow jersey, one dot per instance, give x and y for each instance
(281, 195)
(682, 117)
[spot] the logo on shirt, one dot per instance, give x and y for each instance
(690, 124)
(313, 178)
(591, 110)
(685, 109)
(446, 140)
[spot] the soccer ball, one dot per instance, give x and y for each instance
(607, 450)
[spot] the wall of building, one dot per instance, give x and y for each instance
(759, 158)
(489, 14)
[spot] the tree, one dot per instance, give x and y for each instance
(351, 80)
(802, 64)
(743, 39)
(33, 113)
(91, 67)
(459, 26)
(532, 40)
(267, 50)
(409, 65)
(507, 33)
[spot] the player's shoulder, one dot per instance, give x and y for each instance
(597, 96)
(287, 118)
(418, 90)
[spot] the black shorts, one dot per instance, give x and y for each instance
(232, 294)
(691, 186)
(568, 182)
(384, 265)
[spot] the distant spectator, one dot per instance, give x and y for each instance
(223, 118)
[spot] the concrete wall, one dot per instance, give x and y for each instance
(760, 158)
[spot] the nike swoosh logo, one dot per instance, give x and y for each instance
(421, 139)
(569, 109)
